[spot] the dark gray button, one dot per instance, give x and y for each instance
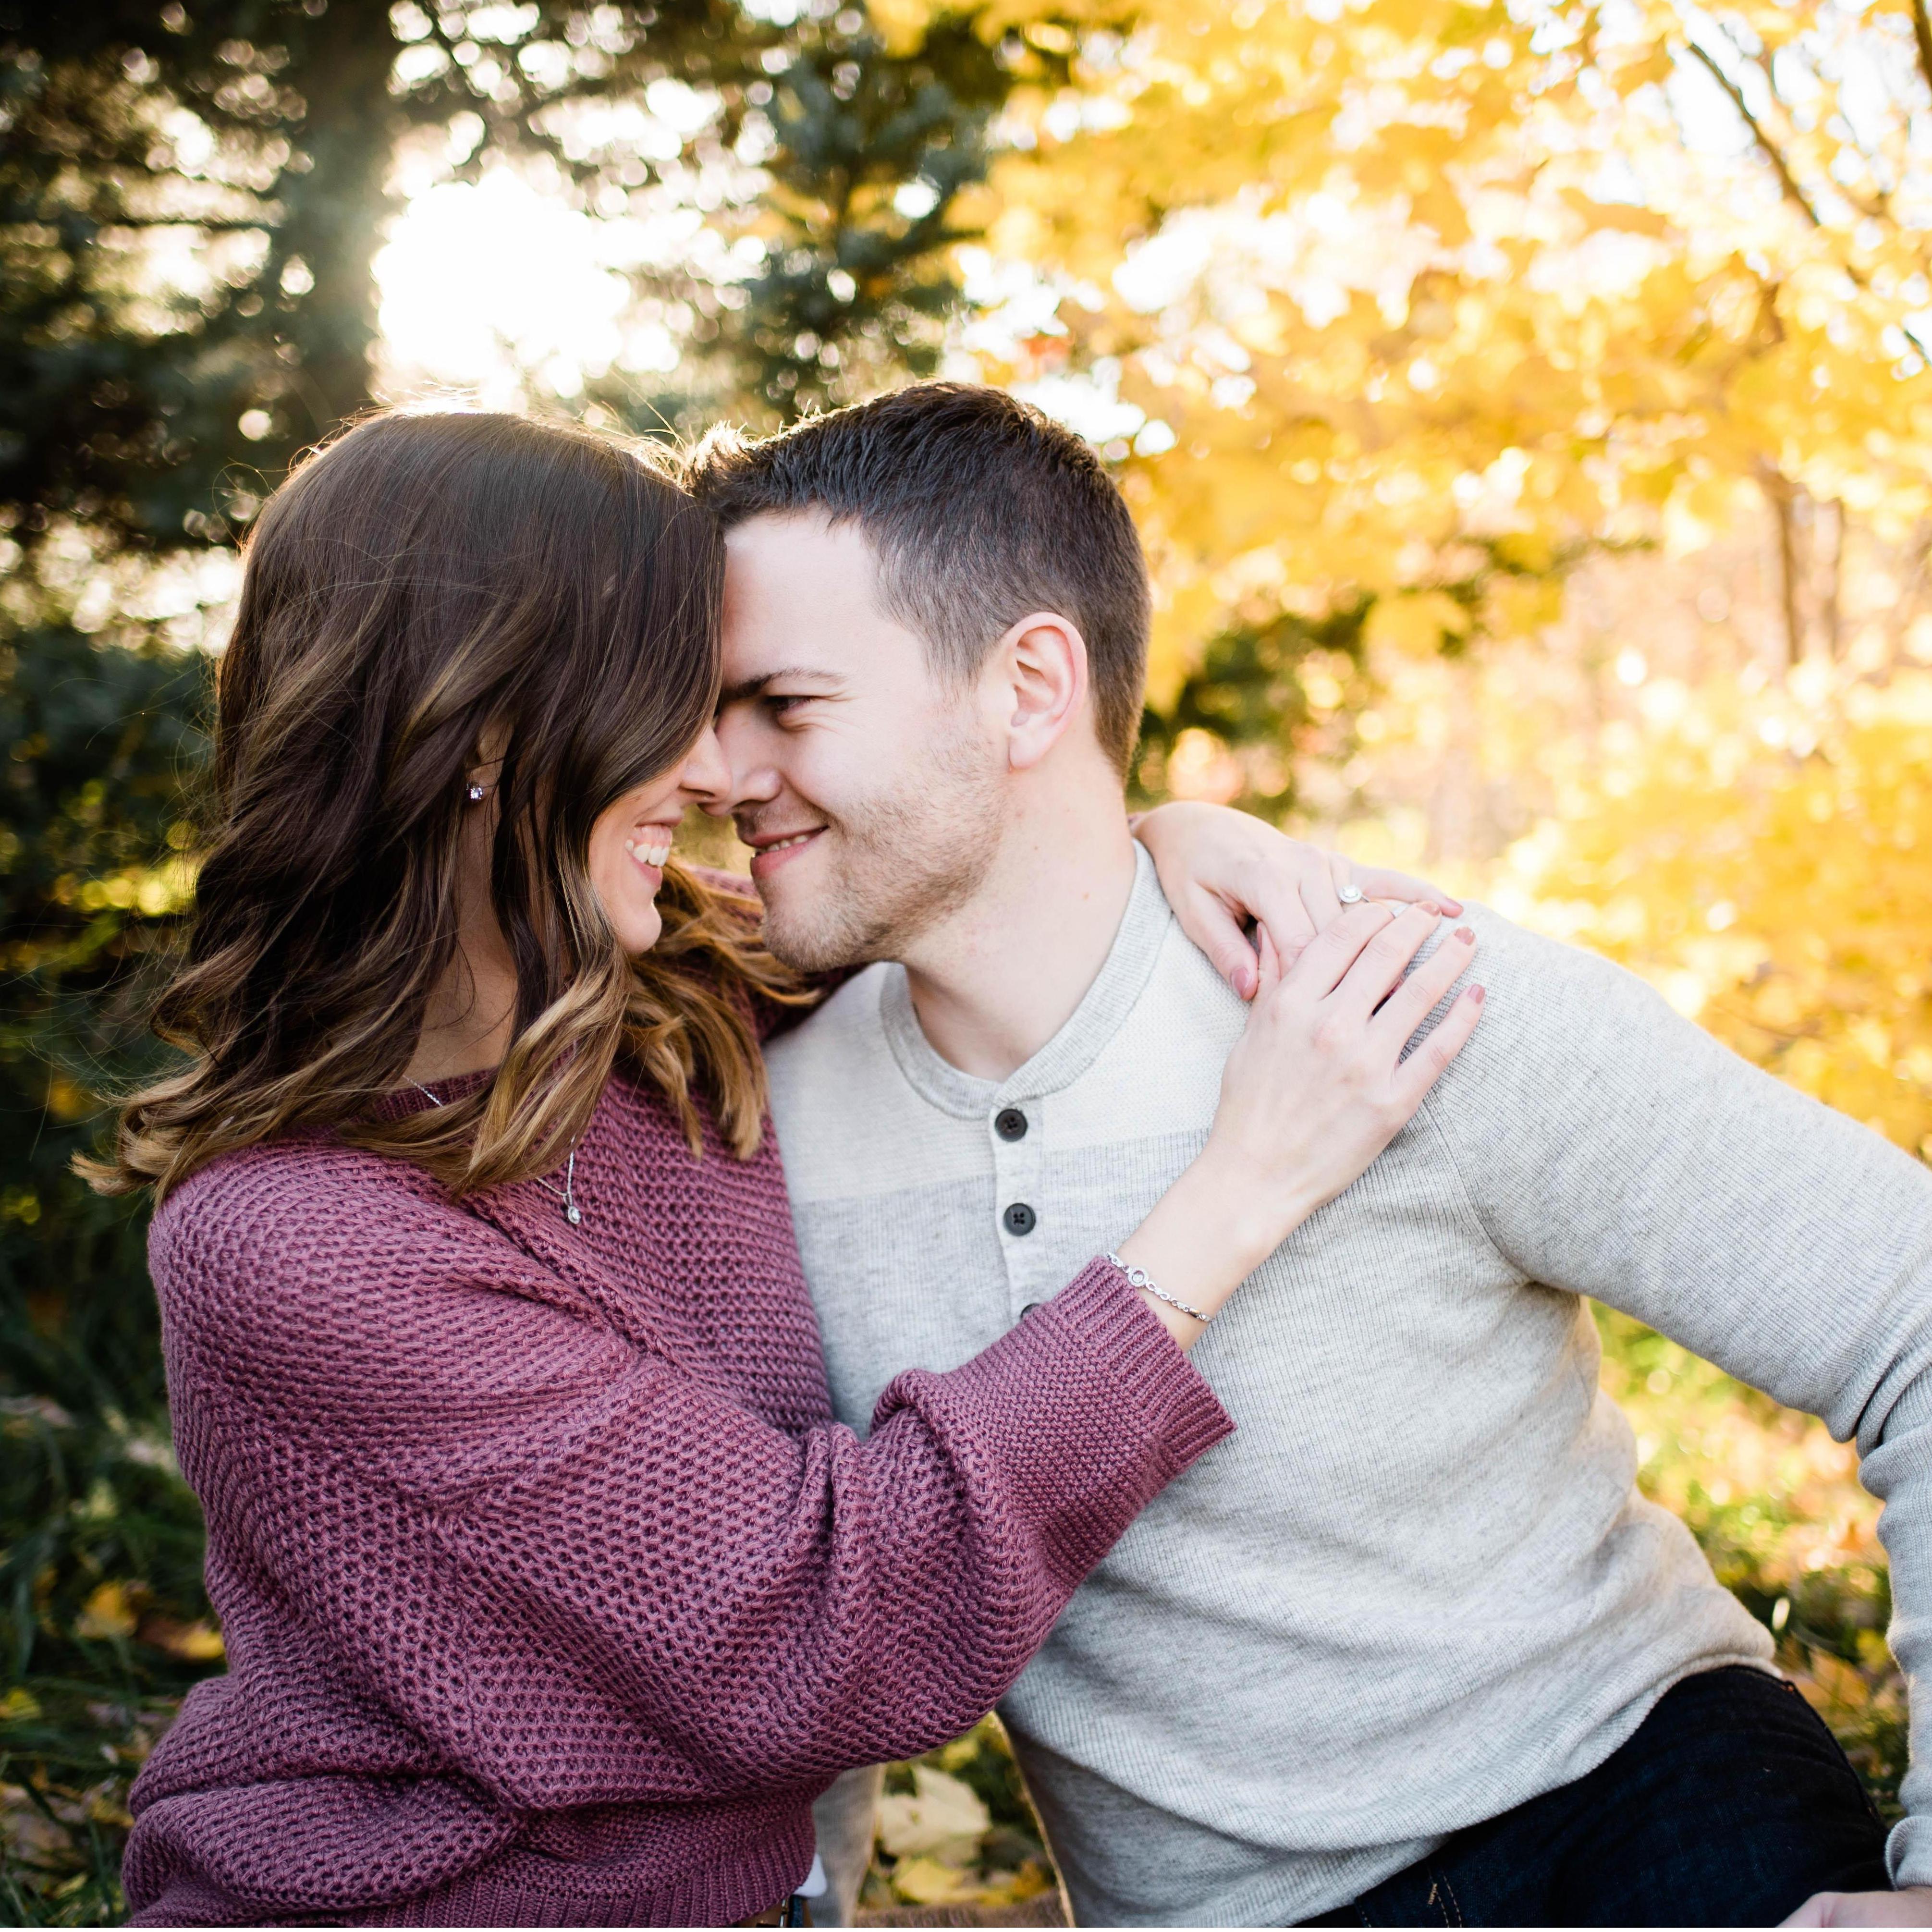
(1020, 1218)
(1010, 1124)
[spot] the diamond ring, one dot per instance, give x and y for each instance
(1348, 894)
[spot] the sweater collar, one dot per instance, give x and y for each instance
(1067, 1055)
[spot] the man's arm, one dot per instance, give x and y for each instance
(1612, 1148)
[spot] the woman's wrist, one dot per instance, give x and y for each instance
(1205, 1236)
(1242, 1211)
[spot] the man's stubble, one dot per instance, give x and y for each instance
(901, 863)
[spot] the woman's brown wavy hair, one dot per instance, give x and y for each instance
(422, 586)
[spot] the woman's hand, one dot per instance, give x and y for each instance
(1314, 1091)
(1220, 867)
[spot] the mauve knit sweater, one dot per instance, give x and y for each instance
(552, 1593)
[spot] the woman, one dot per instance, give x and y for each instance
(551, 1593)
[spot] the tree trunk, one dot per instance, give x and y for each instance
(338, 205)
(1829, 541)
(1781, 496)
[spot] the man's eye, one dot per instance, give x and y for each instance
(779, 703)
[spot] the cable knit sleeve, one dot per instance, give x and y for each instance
(582, 1573)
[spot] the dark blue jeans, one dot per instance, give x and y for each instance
(1730, 1805)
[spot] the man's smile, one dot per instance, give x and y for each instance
(771, 850)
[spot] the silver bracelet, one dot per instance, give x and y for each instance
(1141, 1279)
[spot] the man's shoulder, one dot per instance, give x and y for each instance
(1535, 983)
(1566, 1031)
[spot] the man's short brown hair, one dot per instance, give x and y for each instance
(979, 509)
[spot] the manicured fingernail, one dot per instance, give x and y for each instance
(1467, 938)
(1427, 905)
(1478, 994)
(1453, 907)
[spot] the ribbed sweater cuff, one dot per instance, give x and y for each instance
(1119, 1329)
(1908, 1852)
(750, 1880)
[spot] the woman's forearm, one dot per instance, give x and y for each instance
(1204, 1236)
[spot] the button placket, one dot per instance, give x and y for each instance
(1013, 1131)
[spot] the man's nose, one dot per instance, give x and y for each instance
(749, 779)
(745, 777)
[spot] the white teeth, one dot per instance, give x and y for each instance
(796, 839)
(647, 855)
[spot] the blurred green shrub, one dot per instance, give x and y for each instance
(103, 1624)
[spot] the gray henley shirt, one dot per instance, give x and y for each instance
(1417, 1586)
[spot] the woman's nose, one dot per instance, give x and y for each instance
(706, 772)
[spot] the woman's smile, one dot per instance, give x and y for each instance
(650, 848)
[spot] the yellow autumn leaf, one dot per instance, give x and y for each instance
(197, 1642)
(1029, 1882)
(925, 1881)
(107, 1614)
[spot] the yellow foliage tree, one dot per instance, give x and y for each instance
(1766, 857)
(1419, 295)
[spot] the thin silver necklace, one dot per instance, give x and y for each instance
(567, 1193)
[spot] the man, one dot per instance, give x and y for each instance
(1410, 1643)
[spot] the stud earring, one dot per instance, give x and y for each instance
(476, 793)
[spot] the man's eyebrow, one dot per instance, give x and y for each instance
(754, 687)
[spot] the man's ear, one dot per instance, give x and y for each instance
(1040, 668)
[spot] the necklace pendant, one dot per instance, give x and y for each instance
(573, 1214)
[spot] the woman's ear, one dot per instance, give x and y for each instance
(486, 762)
(1042, 683)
